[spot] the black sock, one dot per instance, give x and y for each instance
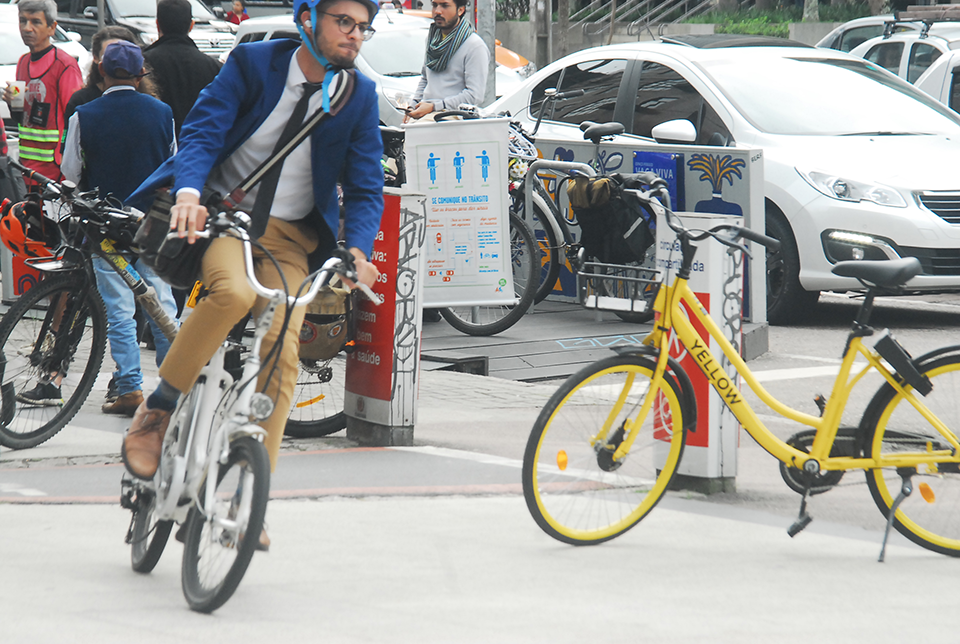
(164, 398)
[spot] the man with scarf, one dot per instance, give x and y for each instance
(457, 60)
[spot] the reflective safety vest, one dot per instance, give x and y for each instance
(50, 82)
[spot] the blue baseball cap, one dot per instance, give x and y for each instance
(122, 59)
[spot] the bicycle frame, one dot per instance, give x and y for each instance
(672, 306)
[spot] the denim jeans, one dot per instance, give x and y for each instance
(121, 326)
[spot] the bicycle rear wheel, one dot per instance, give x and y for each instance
(58, 326)
(930, 516)
(574, 489)
(317, 407)
(220, 541)
(489, 320)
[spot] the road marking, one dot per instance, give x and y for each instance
(22, 491)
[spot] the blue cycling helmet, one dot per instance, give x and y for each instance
(372, 8)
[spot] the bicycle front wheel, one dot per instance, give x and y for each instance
(489, 320)
(575, 490)
(57, 328)
(149, 535)
(930, 516)
(317, 407)
(220, 540)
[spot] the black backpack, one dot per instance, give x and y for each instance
(615, 228)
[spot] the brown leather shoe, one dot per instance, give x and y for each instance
(125, 405)
(144, 440)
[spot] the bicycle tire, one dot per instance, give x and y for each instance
(209, 549)
(317, 406)
(490, 320)
(149, 536)
(575, 491)
(550, 252)
(930, 517)
(26, 357)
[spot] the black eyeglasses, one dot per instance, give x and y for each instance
(348, 24)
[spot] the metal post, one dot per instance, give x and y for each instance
(487, 28)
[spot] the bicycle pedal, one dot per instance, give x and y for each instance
(799, 525)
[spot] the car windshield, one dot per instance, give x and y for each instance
(148, 9)
(826, 96)
(396, 52)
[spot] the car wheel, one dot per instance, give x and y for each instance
(787, 302)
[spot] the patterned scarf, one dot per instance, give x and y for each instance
(441, 49)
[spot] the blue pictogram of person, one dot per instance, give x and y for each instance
(432, 167)
(458, 165)
(484, 165)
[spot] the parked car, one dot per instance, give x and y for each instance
(855, 32)
(12, 47)
(857, 163)
(908, 54)
(212, 35)
(393, 58)
(942, 80)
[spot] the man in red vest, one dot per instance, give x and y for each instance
(51, 78)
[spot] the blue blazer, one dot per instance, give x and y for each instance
(345, 148)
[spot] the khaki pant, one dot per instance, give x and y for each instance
(229, 298)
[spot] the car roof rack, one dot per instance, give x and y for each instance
(926, 14)
(723, 41)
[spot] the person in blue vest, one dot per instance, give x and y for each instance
(233, 127)
(120, 139)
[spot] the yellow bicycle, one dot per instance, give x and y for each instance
(607, 444)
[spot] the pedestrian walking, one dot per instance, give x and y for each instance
(238, 13)
(119, 139)
(179, 69)
(49, 77)
(456, 64)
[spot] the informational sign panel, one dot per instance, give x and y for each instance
(461, 167)
(717, 279)
(383, 370)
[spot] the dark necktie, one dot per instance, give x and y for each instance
(268, 185)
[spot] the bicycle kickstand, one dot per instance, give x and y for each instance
(810, 469)
(906, 488)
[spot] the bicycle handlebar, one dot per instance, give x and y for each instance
(340, 262)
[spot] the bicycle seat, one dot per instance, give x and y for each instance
(889, 273)
(598, 131)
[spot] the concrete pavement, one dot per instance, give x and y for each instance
(434, 544)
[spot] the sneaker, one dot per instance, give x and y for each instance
(144, 440)
(125, 405)
(45, 393)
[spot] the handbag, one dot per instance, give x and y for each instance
(179, 263)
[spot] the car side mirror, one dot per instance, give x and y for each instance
(90, 13)
(678, 131)
(218, 12)
(74, 36)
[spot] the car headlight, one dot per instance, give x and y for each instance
(527, 70)
(850, 190)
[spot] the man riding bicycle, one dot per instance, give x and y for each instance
(233, 127)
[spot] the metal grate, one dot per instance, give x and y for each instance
(944, 204)
(935, 261)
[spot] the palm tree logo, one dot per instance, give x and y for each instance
(716, 169)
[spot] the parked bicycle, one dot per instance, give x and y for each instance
(607, 444)
(56, 331)
(214, 473)
(559, 245)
